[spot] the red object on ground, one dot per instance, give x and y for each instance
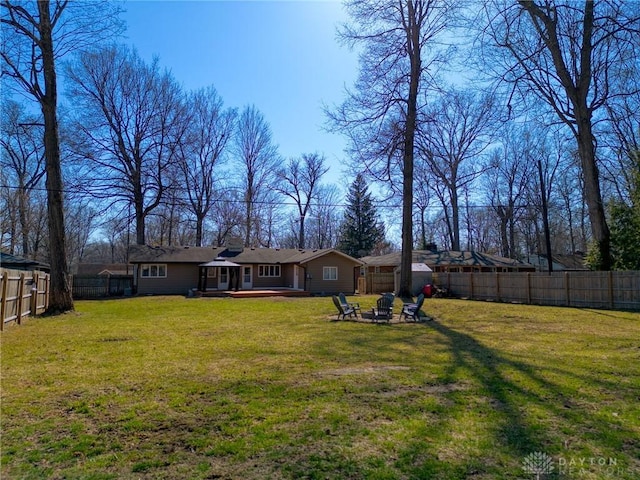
(427, 290)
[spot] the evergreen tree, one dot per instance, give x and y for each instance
(360, 230)
(625, 223)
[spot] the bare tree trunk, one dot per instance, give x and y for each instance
(414, 51)
(545, 218)
(592, 194)
(455, 214)
(301, 239)
(578, 94)
(140, 219)
(23, 205)
(60, 299)
(199, 224)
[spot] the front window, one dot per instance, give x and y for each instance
(269, 271)
(330, 273)
(154, 270)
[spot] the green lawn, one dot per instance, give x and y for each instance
(169, 387)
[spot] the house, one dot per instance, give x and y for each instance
(103, 269)
(561, 263)
(12, 262)
(381, 266)
(180, 270)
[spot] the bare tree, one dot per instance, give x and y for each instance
(325, 218)
(566, 53)
(227, 215)
(209, 132)
(299, 181)
(509, 173)
(257, 156)
(422, 201)
(622, 134)
(380, 116)
(22, 160)
(40, 34)
(458, 130)
(130, 121)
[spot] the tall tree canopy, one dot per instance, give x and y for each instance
(380, 114)
(568, 54)
(299, 180)
(130, 118)
(38, 35)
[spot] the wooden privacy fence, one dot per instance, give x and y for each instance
(610, 290)
(23, 293)
(376, 283)
(101, 286)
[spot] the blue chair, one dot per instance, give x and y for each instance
(342, 310)
(383, 309)
(348, 305)
(412, 309)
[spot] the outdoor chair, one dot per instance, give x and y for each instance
(391, 295)
(343, 311)
(345, 304)
(412, 309)
(383, 309)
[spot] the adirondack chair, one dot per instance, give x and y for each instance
(343, 311)
(346, 304)
(383, 309)
(412, 309)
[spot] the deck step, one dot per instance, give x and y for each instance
(255, 293)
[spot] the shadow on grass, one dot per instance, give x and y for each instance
(529, 406)
(518, 404)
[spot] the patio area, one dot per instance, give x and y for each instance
(254, 293)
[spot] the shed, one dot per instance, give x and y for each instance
(421, 275)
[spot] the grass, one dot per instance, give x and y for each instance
(163, 387)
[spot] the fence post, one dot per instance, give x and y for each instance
(47, 289)
(497, 286)
(20, 294)
(610, 290)
(567, 289)
(3, 302)
(471, 284)
(528, 288)
(34, 294)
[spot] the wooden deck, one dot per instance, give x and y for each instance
(255, 293)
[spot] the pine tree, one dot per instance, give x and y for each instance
(360, 230)
(625, 223)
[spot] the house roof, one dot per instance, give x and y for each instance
(560, 262)
(446, 257)
(149, 254)
(200, 255)
(93, 269)
(12, 262)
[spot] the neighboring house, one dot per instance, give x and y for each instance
(448, 261)
(561, 263)
(103, 269)
(179, 270)
(437, 261)
(12, 262)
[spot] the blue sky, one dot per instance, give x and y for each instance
(281, 56)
